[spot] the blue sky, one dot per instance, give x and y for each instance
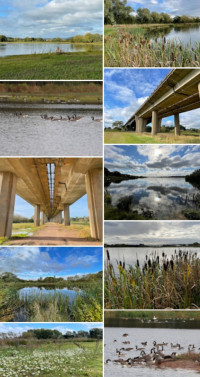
(152, 160)
(151, 232)
(18, 328)
(125, 90)
(172, 7)
(34, 262)
(50, 18)
(79, 208)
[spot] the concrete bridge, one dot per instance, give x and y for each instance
(51, 185)
(177, 93)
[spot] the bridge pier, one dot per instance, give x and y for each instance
(37, 215)
(42, 218)
(93, 180)
(60, 217)
(199, 89)
(155, 122)
(159, 124)
(177, 124)
(8, 183)
(141, 124)
(66, 215)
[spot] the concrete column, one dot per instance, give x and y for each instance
(66, 215)
(140, 124)
(199, 89)
(42, 218)
(93, 181)
(155, 123)
(37, 215)
(60, 217)
(45, 219)
(159, 124)
(177, 124)
(8, 183)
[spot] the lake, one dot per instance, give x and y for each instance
(34, 136)
(156, 198)
(188, 35)
(138, 335)
(131, 254)
(9, 49)
(39, 292)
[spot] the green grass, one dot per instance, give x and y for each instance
(157, 283)
(129, 46)
(52, 66)
(62, 359)
(114, 137)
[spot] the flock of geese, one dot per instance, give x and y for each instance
(72, 118)
(156, 355)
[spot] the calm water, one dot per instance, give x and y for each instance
(131, 254)
(165, 198)
(34, 136)
(188, 35)
(7, 49)
(138, 335)
(39, 292)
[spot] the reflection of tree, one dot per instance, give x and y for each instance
(194, 179)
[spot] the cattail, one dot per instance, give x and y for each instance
(172, 264)
(123, 265)
(165, 266)
(173, 57)
(149, 263)
(138, 263)
(108, 255)
(164, 40)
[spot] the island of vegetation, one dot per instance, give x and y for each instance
(141, 40)
(86, 305)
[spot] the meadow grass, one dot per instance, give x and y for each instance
(158, 283)
(51, 359)
(114, 137)
(52, 66)
(132, 47)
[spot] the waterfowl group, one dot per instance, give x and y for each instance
(71, 118)
(156, 355)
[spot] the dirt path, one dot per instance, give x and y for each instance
(54, 234)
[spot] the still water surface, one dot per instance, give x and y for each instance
(138, 335)
(34, 136)
(39, 292)
(8, 49)
(165, 198)
(188, 35)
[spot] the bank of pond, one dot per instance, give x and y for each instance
(34, 302)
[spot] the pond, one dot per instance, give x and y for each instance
(34, 136)
(29, 293)
(138, 335)
(157, 198)
(188, 35)
(131, 254)
(9, 49)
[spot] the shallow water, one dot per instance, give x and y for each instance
(9, 49)
(188, 35)
(166, 198)
(131, 254)
(39, 292)
(34, 136)
(138, 335)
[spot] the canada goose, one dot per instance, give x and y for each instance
(180, 348)
(144, 343)
(57, 119)
(126, 349)
(76, 119)
(165, 344)
(139, 348)
(127, 342)
(114, 341)
(157, 344)
(174, 345)
(125, 335)
(121, 354)
(118, 360)
(108, 361)
(21, 115)
(96, 120)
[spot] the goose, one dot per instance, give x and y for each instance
(174, 345)
(144, 343)
(127, 342)
(108, 361)
(57, 119)
(180, 348)
(125, 335)
(75, 119)
(126, 349)
(21, 115)
(165, 344)
(157, 344)
(114, 341)
(96, 120)
(121, 354)
(139, 348)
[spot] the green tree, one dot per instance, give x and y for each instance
(3, 38)
(117, 124)
(143, 16)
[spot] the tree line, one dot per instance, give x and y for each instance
(95, 333)
(87, 38)
(118, 12)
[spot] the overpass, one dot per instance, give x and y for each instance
(177, 93)
(51, 185)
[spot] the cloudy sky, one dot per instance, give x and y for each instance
(172, 7)
(79, 208)
(125, 90)
(50, 18)
(152, 160)
(19, 328)
(35, 262)
(151, 232)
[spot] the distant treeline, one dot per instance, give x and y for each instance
(94, 333)
(87, 38)
(117, 12)
(194, 178)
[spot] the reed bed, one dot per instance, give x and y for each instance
(157, 283)
(125, 48)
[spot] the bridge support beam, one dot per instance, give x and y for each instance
(155, 122)
(140, 124)
(177, 124)
(37, 215)
(8, 183)
(43, 218)
(66, 215)
(159, 124)
(60, 217)
(93, 181)
(199, 89)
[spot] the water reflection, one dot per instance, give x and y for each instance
(9, 49)
(39, 292)
(164, 198)
(188, 34)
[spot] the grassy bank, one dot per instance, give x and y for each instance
(52, 66)
(132, 47)
(51, 359)
(22, 230)
(114, 137)
(156, 283)
(149, 315)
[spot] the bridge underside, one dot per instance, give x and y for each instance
(179, 92)
(51, 185)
